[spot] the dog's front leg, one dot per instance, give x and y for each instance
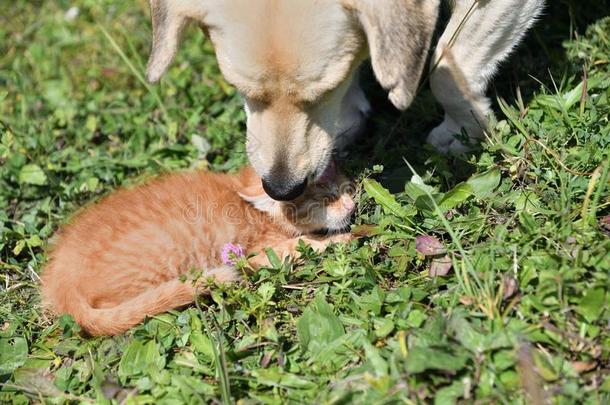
(479, 35)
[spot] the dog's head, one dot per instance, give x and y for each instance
(295, 63)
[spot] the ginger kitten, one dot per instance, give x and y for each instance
(123, 259)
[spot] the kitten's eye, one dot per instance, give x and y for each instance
(348, 188)
(333, 191)
(329, 197)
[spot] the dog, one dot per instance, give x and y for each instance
(296, 62)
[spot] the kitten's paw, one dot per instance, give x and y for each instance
(341, 238)
(224, 274)
(320, 245)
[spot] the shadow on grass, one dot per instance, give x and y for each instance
(391, 136)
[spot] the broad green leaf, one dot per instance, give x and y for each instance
(426, 358)
(464, 333)
(375, 359)
(383, 327)
(434, 329)
(336, 354)
(485, 183)
(456, 196)
(416, 179)
(266, 291)
(202, 344)
(416, 318)
(190, 360)
(19, 246)
(32, 174)
(34, 241)
(383, 197)
(37, 379)
(69, 327)
(278, 378)
(186, 384)
(371, 302)
(425, 203)
(449, 394)
(528, 222)
(567, 100)
(423, 196)
(592, 304)
(504, 359)
(274, 260)
(417, 188)
(140, 359)
(605, 386)
(318, 325)
(528, 202)
(13, 353)
(510, 379)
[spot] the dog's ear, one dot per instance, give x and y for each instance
(398, 34)
(168, 19)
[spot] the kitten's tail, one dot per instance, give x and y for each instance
(168, 295)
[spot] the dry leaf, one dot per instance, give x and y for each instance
(510, 286)
(440, 266)
(365, 230)
(266, 359)
(583, 366)
(604, 222)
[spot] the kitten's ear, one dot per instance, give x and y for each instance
(255, 195)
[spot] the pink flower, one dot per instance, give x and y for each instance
(230, 253)
(429, 246)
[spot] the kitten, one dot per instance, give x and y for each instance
(125, 258)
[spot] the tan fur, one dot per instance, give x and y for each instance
(478, 37)
(122, 259)
(296, 64)
(296, 61)
(398, 34)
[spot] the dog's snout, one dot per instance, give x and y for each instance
(282, 190)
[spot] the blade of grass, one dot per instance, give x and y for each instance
(467, 265)
(601, 177)
(134, 70)
(220, 360)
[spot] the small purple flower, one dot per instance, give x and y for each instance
(231, 253)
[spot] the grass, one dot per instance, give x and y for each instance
(522, 316)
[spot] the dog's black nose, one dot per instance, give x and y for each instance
(283, 191)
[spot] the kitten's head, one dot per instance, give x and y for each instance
(324, 206)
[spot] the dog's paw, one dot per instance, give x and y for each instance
(443, 139)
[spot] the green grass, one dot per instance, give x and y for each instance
(522, 316)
